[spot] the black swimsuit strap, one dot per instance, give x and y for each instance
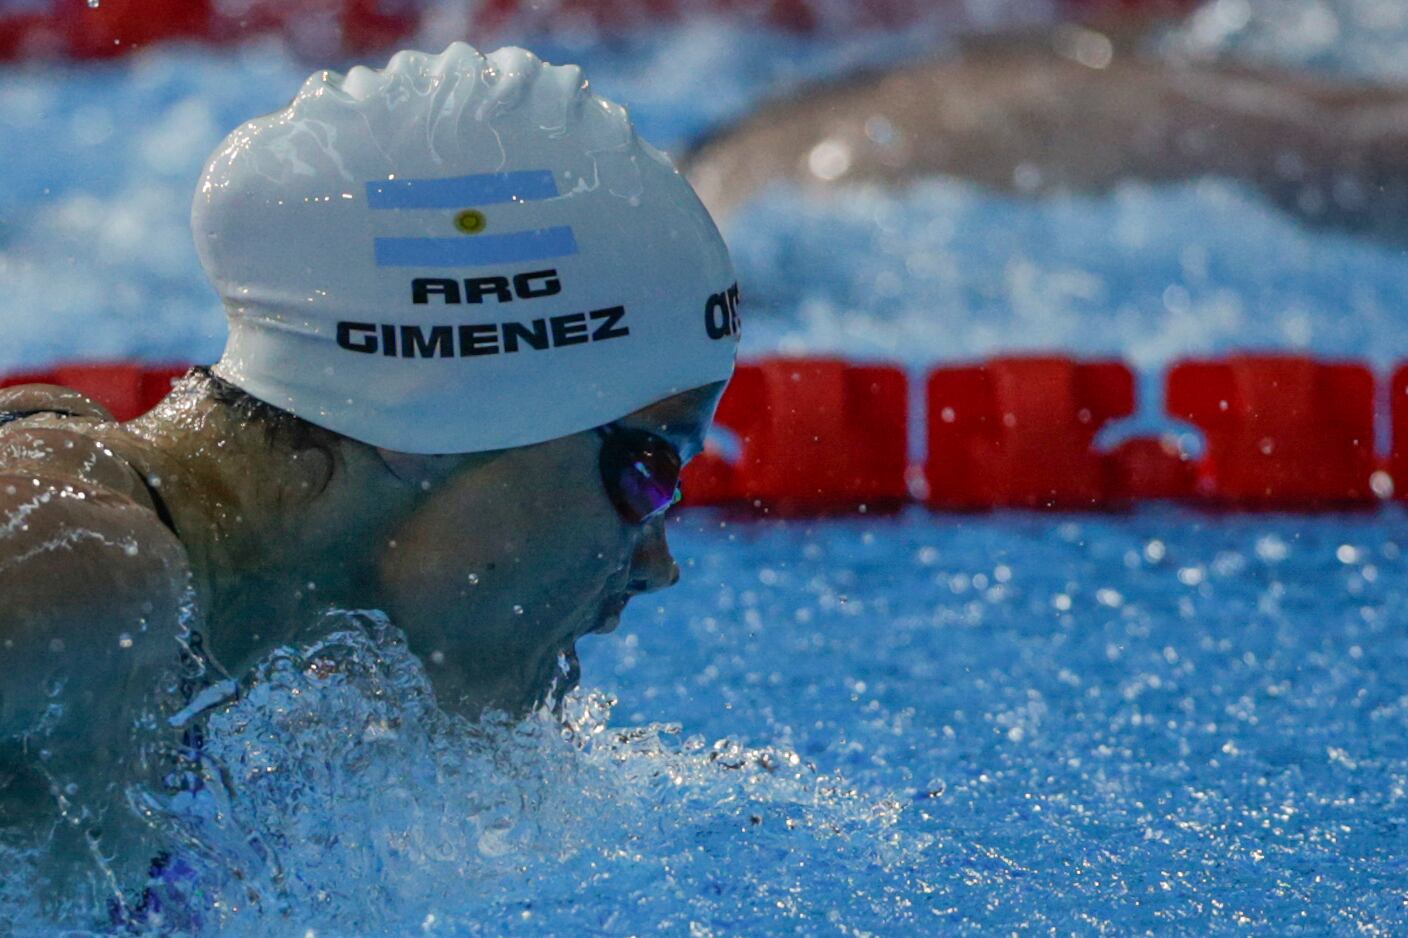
(10, 416)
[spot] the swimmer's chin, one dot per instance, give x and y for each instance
(564, 672)
(608, 619)
(544, 678)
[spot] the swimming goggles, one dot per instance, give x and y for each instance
(641, 472)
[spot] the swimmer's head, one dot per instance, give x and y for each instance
(499, 320)
(460, 253)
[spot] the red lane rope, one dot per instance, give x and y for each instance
(819, 435)
(70, 28)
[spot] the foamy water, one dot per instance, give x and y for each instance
(335, 795)
(1357, 39)
(943, 269)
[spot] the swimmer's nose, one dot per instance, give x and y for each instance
(652, 566)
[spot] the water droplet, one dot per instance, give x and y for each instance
(830, 159)
(1271, 549)
(880, 131)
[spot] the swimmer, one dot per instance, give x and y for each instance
(1078, 112)
(476, 328)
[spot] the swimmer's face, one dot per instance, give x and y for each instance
(520, 553)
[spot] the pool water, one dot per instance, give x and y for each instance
(1093, 724)
(1360, 39)
(944, 269)
(912, 724)
(874, 726)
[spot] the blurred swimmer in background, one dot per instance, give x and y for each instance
(476, 328)
(1075, 111)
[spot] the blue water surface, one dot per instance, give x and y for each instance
(1165, 721)
(1089, 724)
(1160, 722)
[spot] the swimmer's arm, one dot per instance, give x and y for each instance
(92, 592)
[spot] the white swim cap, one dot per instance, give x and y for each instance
(460, 253)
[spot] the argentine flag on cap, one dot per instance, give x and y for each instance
(468, 249)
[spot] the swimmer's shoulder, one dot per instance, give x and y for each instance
(91, 578)
(57, 434)
(82, 544)
(79, 525)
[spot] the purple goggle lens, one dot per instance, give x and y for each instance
(641, 472)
